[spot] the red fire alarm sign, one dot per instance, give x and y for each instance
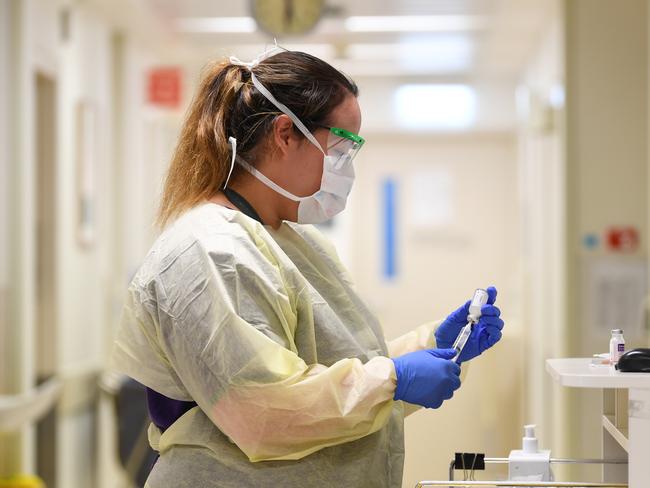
(623, 239)
(164, 87)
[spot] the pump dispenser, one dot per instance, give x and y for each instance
(529, 463)
(529, 442)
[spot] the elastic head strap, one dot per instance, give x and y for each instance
(233, 150)
(267, 181)
(252, 64)
(269, 96)
(287, 111)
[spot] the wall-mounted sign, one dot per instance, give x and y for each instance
(164, 87)
(622, 239)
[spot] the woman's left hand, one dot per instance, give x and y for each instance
(485, 333)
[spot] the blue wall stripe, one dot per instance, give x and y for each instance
(389, 189)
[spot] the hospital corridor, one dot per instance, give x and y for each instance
(319, 243)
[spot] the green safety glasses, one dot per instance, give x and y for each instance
(342, 142)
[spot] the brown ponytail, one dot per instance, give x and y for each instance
(227, 104)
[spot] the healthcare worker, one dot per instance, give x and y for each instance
(263, 366)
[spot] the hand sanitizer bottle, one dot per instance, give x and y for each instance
(530, 463)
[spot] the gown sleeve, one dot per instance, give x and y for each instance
(219, 330)
(415, 340)
(421, 337)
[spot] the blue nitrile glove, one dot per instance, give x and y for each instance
(427, 377)
(485, 333)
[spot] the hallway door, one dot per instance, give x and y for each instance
(46, 268)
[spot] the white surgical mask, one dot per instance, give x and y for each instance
(338, 171)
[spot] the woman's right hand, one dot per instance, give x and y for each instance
(427, 377)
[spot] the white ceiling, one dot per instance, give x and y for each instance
(195, 8)
(497, 50)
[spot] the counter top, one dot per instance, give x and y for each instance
(578, 372)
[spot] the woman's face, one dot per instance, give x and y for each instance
(303, 161)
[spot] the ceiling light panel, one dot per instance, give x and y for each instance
(435, 107)
(215, 25)
(415, 23)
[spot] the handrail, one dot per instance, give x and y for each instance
(452, 464)
(69, 391)
(21, 409)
